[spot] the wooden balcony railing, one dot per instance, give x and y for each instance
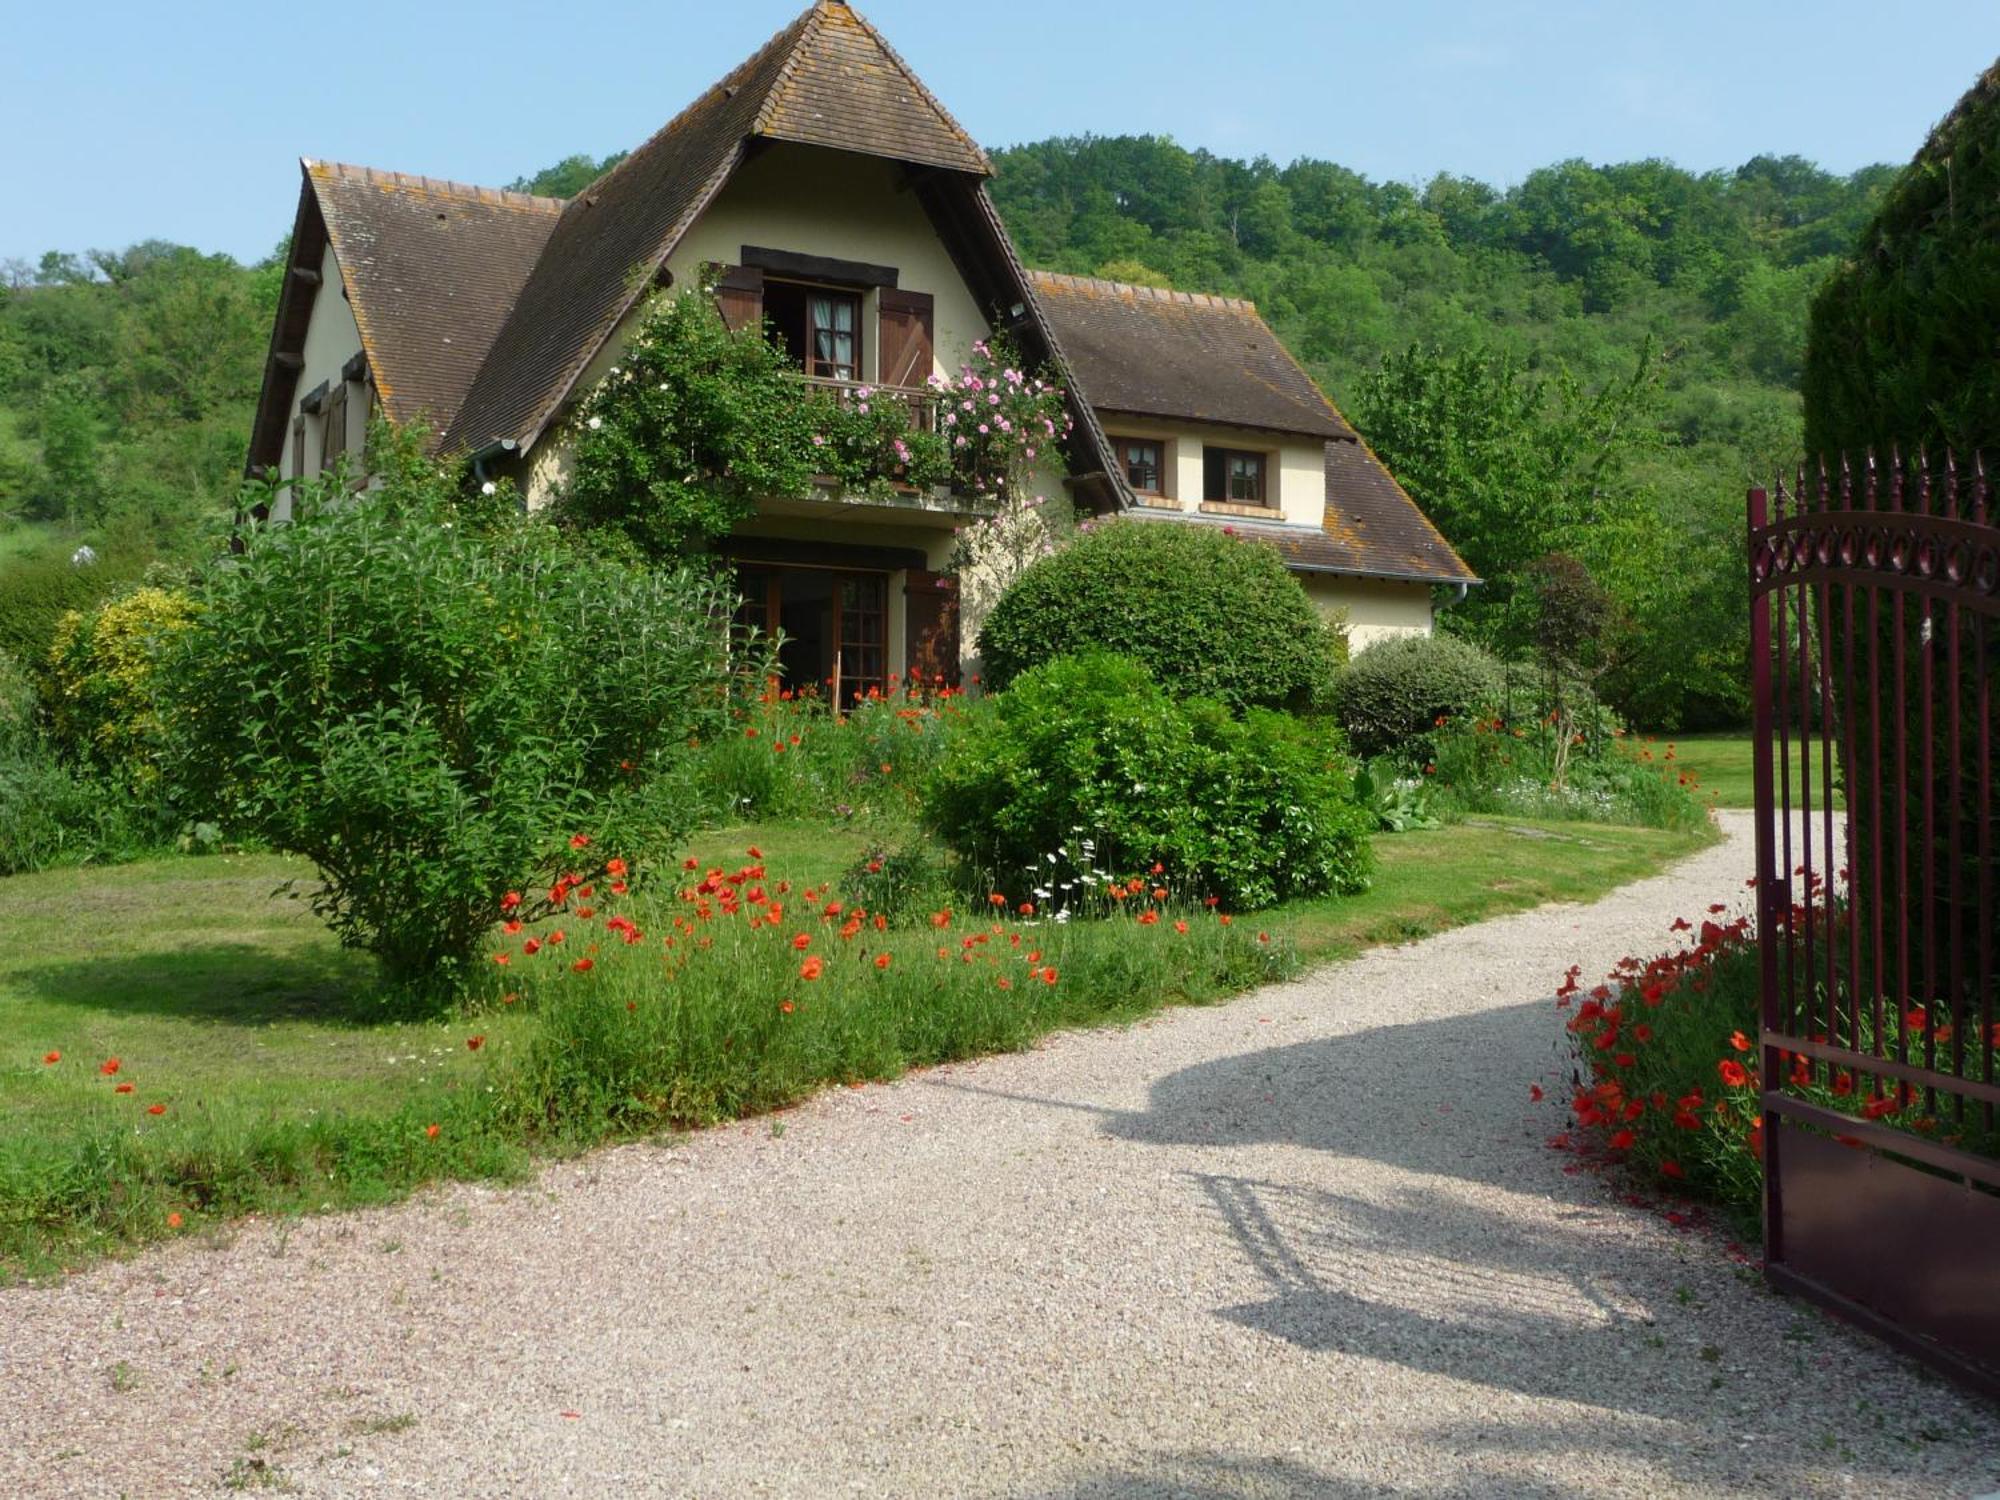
(921, 402)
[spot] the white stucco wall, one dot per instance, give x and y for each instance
(332, 339)
(1376, 609)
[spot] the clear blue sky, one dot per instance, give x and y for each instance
(124, 121)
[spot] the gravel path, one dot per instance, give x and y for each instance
(1309, 1243)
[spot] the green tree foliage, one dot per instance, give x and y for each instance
(1552, 293)
(1900, 348)
(567, 177)
(1207, 614)
(430, 702)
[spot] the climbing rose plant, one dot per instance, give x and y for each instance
(698, 422)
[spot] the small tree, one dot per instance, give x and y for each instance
(1572, 619)
(432, 709)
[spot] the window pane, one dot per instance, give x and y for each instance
(833, 327)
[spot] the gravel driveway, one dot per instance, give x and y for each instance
(1309, 1243)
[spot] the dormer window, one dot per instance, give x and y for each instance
(1233, 476)
(1140, 459)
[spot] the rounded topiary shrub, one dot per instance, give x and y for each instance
(1393, 694)
(1086, 770)
(1207, 613)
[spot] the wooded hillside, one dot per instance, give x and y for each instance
(1594, 361)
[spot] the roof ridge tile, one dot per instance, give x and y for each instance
(1056, 279)
(437, 187)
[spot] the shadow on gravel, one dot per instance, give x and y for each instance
(1539, 1297)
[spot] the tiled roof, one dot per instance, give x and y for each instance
(1181, 354)
(1373, 528)
(432, 269)
(827, 79)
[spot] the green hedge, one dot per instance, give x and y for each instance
(1208, 614)
(1900, 344)
(1392, 695)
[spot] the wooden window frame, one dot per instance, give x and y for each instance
(1159, 447)
(1228, 456)
(809, 362)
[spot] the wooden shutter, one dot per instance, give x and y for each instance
(906, 337)
(930, 628)
(334, 447)
(739, 296)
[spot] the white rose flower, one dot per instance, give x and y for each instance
(595, 423)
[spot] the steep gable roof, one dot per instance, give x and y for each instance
(828, 79)
(431, 270)
(1158, 353)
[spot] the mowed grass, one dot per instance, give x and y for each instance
(235, 1009)
(1724, 765)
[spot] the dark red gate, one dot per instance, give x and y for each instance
(1875, 633)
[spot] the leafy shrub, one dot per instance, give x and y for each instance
(426, 709)
(1085, 768)
(102, 682)
(50, 815)
(1392, 695)
(36, 592)
(1207, 614)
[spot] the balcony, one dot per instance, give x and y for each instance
(921, 401)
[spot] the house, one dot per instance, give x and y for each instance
(822, 189)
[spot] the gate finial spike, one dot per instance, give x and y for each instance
(1978, 486)
(1847, 477)
(1949, 497)
(1869, 480)
(1896, 477)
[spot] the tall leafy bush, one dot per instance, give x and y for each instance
(428, 709)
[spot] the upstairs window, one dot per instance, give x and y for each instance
(1140, 459)
(1233, 476)
(820, 327)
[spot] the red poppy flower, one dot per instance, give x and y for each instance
(812, 968)
(690, 863)
(579, 841)
(1672, 1169)
(1875, 1109)
(1739, 1041)
(51, 1057)
(1623, 1141)
(1180, 926)
(509, 901)
(173, 1220)
(1148, 918)
(1732, 1072)
(1027, 908)
(431, 1131)
(123, 1088)
(556, 936)
(881, 960)
(802, 940)
(755, 852)
(785, 1007)
(1263, 937)
(109, 1066)
(474, 1043)
(532, 947)
(156, 1109)
(614, 866)
(996, 899)
(1006, 983)
(584, 965)
(1225, 919)
(1049, 975)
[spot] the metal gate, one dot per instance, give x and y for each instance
(1875, 633)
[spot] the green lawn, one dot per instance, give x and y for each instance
(1723, 764)
(239, 1011)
